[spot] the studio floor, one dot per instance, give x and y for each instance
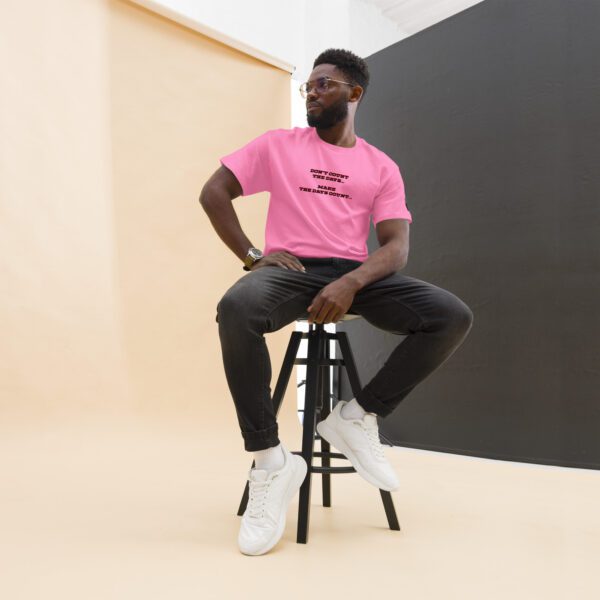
(124, 507)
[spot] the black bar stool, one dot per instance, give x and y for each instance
(318, 402)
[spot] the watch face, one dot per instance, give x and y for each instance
(255, 254)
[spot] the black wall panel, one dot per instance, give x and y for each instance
(493, 116)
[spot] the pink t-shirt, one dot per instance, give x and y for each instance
(322, 195)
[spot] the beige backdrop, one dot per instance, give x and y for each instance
(112, 119)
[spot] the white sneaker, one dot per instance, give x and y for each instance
(358, 440)
(270, 493)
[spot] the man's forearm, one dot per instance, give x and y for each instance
(386, 260)
(219, 208)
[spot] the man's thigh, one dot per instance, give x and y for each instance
(273, 293)
(402, 304)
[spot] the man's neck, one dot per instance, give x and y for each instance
(344, 137)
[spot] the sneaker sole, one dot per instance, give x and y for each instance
(295, 482)
(332, 437)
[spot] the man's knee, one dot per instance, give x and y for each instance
(229, 304)
(238, 303)
(455, 315)
(461, 317)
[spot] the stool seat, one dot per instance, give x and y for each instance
(317, 406)
(345, 317)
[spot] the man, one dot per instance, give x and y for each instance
(326, 183)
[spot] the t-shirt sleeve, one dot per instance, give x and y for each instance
(250, 165)
(390, 201)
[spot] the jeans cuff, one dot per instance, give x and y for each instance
(371, 404)
(261, 439)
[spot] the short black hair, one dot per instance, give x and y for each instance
(352, 66)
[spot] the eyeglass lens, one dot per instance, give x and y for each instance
(320, 87)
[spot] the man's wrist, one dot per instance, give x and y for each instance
(252, 265)
(354, 280)
(253, 256)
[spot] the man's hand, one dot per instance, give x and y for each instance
(282, 259)
(332, 302)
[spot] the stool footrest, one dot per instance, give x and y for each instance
(316, 469)
(323, 454)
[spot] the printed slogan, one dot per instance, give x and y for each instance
(328, 190)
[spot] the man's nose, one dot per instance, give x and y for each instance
(311, 95)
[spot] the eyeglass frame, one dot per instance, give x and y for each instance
(323, 77)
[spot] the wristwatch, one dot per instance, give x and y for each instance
(254, 254)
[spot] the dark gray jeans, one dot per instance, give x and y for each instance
(271, 297)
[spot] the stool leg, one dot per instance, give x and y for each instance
(308, 428)
(324, 413)
(348, 358)
(282, 383)
(286, 370)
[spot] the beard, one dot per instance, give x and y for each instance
(328, 117)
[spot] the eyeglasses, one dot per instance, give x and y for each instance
(321, 86)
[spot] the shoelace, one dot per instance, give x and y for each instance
(373, 437)
(258, 498)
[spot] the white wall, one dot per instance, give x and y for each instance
(286, 33)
